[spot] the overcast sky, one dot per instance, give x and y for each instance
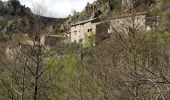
(59, 8)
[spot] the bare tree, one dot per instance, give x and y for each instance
(132, 64)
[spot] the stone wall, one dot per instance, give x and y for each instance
(81, 32)
(126, 24)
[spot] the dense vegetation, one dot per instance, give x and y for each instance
(136, 67)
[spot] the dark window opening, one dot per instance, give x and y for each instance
(89, 30)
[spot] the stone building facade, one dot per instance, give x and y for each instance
(82, 30)
(125, 23)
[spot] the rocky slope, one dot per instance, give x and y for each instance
(106, 8)
(103, 8)
(16, 18)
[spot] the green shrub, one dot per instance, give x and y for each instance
(71, 78)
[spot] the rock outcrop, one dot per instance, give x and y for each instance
(16, 18)
(104, 8)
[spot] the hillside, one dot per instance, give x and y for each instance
(104, 8)
(20, 19)
(131, 64)
(107, 8)
(16, 18)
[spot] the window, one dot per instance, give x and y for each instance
(90, 30)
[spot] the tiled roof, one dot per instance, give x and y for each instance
(83, 22)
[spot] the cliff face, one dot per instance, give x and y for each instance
(98, 8)
(108, 8)
(13, 8)
(105, 8)
(16, 18)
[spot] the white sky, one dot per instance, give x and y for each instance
(58, 8)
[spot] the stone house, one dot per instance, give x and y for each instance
(126, 23)
(81, 31)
